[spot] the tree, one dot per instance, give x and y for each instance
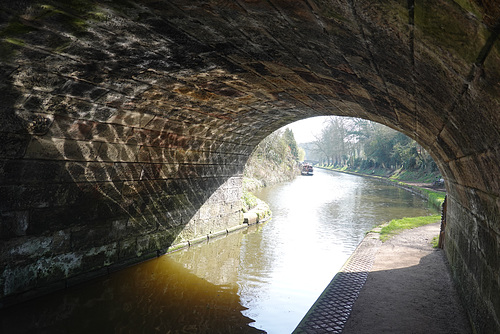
(292, 144)
(361, 143)
(272, 159)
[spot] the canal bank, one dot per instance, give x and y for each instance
(400, 286)
(261, 279)
(434, 195)
(334, 307)
(260, 213)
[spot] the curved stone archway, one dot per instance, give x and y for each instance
(120, 120)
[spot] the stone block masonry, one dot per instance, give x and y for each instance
(126, 125)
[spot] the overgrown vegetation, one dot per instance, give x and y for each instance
(273, 160)
(248, 201)
(396, 226)
(435, 198)
(435, 242)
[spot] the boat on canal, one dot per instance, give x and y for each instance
(307, 169)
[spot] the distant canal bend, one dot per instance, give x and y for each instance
(263, 279)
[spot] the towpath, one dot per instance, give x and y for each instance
(400, 286)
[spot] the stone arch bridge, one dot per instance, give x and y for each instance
(125, 125)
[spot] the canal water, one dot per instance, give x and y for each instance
(261, 279)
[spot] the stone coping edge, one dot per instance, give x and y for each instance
(259, 214)
(330, 311)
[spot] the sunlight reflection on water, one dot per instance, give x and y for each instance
(270, 273)
(317, 223)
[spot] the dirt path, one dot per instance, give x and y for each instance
(408, 290)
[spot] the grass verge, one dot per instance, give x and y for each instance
(248, 201)
(396, 226)
(435, 198)
(435, 242)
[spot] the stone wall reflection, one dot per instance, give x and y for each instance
(160, 295)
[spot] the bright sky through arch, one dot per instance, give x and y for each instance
(308, 129)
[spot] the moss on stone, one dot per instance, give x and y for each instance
(7, 51)
(60, 48)
(248, 201)
(97, 15)
(492, 69)
(69, 21)
(12, 35)
(77, 7)
(71, 15)
(396, 13)
(444, 24)
(469, 6)
(15, 28)
(15, 41)
(330, 13)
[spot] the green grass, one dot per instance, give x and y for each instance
(436, 198)
(398, 225)
(415, 175)
(435, 242)
(399, 175)
(249, 201)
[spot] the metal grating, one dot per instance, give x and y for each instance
(332, 309)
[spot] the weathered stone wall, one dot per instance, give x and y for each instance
(90, 183)
(472, 245)
(220, 212)
(120, 119)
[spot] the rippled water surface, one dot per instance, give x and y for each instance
(317, 223)
(264, 278)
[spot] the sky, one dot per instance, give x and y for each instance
(305, 130)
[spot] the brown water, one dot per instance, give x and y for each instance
(264, 278)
